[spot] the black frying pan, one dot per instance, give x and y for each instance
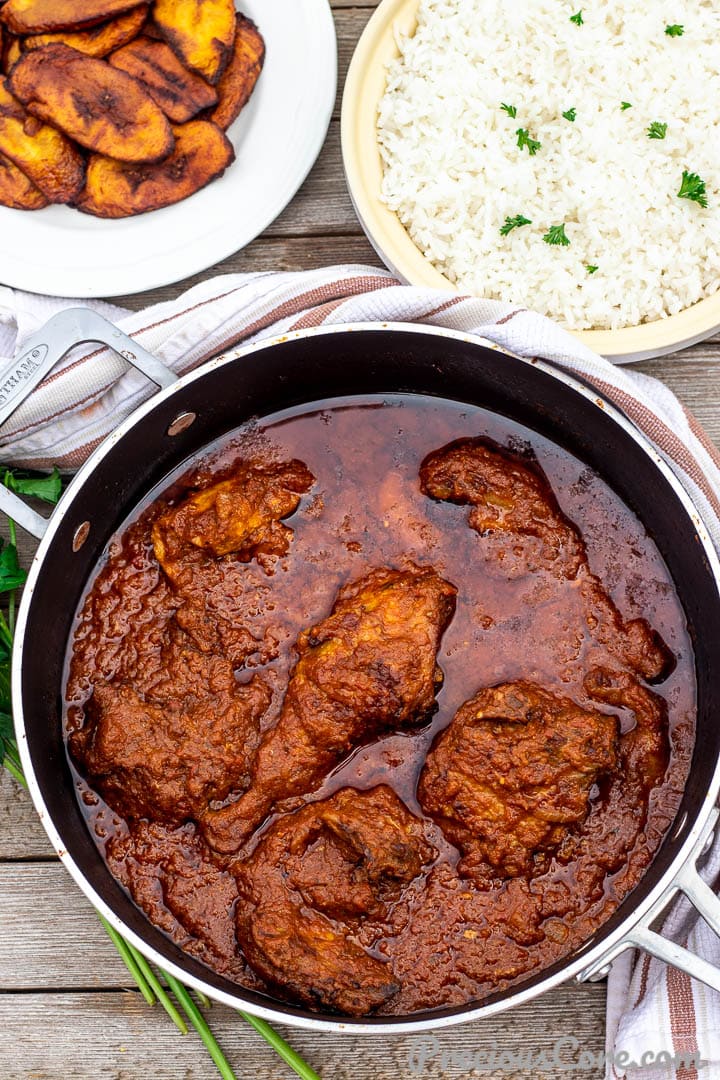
(311, 365)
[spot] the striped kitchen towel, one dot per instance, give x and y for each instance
(651, 1009)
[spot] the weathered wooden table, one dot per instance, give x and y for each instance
(67, 1007)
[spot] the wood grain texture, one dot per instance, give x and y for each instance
(115, 1036)
(65, 1010)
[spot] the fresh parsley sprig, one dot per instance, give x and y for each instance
(524, 140)
(570, 115)
(511, 110)
(516, 222)
(12, 577)
(556, 236)
(694, 188)
(657, 130)
(675, 30)
(577, 18)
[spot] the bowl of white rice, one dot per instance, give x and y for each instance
(565, 158)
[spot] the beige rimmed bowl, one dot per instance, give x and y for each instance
(364, 88)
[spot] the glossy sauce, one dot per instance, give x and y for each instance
(448, 940)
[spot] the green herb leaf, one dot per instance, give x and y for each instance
(625, 105)
(675, 30)
(570, 115)
(657, 130)
(577, 18)
(11, 576)
(524, 139)
(693, 188)
(514, 223)
(556, 236)
(48, 488)
(510, 110)
(592, 269)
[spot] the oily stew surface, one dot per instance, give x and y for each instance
(383, 705)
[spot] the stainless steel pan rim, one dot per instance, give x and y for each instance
(590, 961)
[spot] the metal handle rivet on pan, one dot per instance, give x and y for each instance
(182, 423)
(81, 535)
(601, 973)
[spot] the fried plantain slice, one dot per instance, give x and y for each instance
(43, 16)
(115, 190)
(100, 107)
(50, 160)
(11, 53)
(201, 32)
(99, 40)
(180, 93)
(243, 70)
(16, 190)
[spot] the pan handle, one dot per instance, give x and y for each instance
(75, 326)
(705, 902)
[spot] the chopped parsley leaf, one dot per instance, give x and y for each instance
(676, 30)
(693, 188)
(657, 130)
(556, 236)
(524, 140)
(514, 223)
(592, 269)
(509, 109)
(577, 18)
(625, 105)
(570, 115)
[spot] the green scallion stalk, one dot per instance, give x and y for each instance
(281, 1048)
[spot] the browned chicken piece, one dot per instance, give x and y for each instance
(167, 755)
(237, 515)
(370, 667)
(45, 155)
(16, 190)
(180, 93)
(514, 508)
(39, 16)
(313, 878)
(100, 107)
(201, 32)
(97, 41)
(513, 773)
(199, 542)
(645, 750)
(118, 189)
(241, 74)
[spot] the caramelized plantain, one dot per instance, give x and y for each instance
(241, 74)
(180, 93)
(201, 32)
(114, 190)
(17, 190)
(99, 40)
(47, 158)
(11, 53)
(42, 16)
(100, 107)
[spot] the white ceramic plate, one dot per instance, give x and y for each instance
(277, 138)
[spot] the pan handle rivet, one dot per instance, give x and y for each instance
(181, 423)
(81, 535)
(601, 973)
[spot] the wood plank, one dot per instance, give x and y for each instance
(21, 834)
(115, 1036)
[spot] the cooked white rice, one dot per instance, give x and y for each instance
(453, 170)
